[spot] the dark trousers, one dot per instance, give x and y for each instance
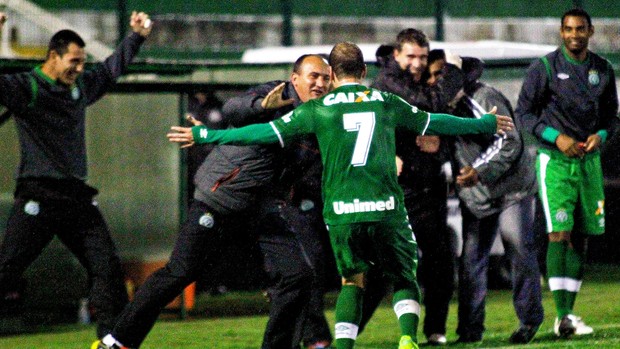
(197, 246)
(79, 226)
(310, 230)
(516, 226)
(428, 217)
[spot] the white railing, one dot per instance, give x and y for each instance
(48, 21)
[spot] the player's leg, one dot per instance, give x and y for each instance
(558, 191)
(518, 234)
(28, 231)
(376, 287)
(436, 267)
(86, 234)
(590, 220)
(397, 254)
(348, 243)
(291, 273)
(197, 241)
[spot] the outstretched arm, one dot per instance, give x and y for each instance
(251, 134)
(446, 124)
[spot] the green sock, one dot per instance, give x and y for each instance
(574, 271)
(556, 270)
(408, 301)
(348, 311)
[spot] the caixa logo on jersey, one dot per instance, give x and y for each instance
(352, 97)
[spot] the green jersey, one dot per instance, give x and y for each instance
(355, 126)
(355, 129)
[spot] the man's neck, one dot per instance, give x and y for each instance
(577, 56)
(49, 71)
(345, 81)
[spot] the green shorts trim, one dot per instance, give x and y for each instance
(390, 243)
(571, 190)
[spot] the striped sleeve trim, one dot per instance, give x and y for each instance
(277, 132)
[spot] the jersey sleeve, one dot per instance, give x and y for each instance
(98, 80)
(531, 102)
(409, 116)
(251, 134)
(297, 122)
(446, 124)
(278, 131)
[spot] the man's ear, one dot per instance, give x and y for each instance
(53, 55)
(293, 78)
(364, 72)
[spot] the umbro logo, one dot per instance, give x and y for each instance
(563, 76)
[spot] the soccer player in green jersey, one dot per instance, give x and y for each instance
(364, 208)
(569, 102)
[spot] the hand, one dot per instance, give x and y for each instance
(504, 123)
(468, 177)
(570, 147)
(140, 23)
(189, 117)
(274, 100)
(592, 143)
(181, 135)
(428, 144)
(399, 166)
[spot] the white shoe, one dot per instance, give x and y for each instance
(581, 328)
(437, 339)
(571, 325)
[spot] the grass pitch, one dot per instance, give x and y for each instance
(598, 303)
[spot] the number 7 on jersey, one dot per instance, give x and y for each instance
(364, 125)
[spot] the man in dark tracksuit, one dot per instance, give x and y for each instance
(49, 107)
(304, 212)
(234, 180)
(569, 102)
(423, 183)
(496, 184)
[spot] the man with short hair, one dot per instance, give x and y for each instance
(52, 198)
(424, 184)
(231, 182)
(364, 205)
(569, 102)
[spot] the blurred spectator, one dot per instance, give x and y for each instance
(496, 183)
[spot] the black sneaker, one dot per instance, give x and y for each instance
(524, 334)
(564, 327)
(469, 338)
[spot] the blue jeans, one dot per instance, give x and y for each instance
(516, 226)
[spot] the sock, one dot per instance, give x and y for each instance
(407, 309)
(574, 274)
(348, 316)
(556, 273)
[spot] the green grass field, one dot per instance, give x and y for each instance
(598, 303)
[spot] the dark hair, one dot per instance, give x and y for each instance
(300, 61)
(347, 60)
(577, 12)
(59, 43)
(435, 55)
(411, 36)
